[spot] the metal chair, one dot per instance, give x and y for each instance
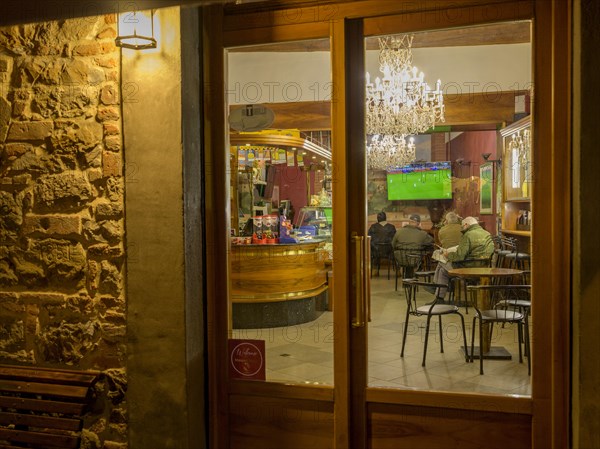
(435, 308)
(503, 308)
(379, 252)
(411, 258)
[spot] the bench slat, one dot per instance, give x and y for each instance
(40, 405)
(48, 422)
(48, 375)
(62, 391)
(46, 440)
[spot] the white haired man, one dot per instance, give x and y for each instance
(475, 243)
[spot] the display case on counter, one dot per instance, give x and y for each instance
(314, 221)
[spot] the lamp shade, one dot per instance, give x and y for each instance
(136, 30)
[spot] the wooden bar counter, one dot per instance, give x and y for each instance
(277, 285)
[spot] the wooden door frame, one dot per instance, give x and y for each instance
(550, 396)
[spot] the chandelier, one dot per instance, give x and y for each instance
(387, 151)
(398, 105)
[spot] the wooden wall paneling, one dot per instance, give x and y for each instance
(216, 218)
(283, 13)
(287, 32)
(461, 109)
(492, 34)
(302, 115)
(267, 422)
(417, 427)
(551, 190)
(440, 17)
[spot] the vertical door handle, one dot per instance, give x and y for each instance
(359, 288)
(367, 276)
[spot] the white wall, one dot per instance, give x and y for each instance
(271, 77)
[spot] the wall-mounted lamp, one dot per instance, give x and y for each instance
(135, 30)
(486, 157)
(461, 162)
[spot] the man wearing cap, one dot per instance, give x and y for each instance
(408, 239)
(475, 243)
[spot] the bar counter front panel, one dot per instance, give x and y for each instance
(277, 285)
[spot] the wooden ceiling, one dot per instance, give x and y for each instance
(494, 34)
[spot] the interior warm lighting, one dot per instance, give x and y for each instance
(398, 105)
(136, 30)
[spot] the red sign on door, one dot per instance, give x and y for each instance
(247, 359)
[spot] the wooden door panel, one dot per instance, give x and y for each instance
(394, 426)
(274, 423)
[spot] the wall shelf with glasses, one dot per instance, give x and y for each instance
(516, 180)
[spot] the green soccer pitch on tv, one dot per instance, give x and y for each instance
(424, 181)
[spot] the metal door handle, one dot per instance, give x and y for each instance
(359, 288)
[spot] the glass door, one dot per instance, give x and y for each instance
(441, 107)
(338, 374)
(281, 212)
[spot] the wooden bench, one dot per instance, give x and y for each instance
(43, 408)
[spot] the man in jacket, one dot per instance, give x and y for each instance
(475, 243)
(411, 239)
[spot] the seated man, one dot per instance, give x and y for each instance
(382, 231)
(475, 243)
(450, 234)
(408, 239)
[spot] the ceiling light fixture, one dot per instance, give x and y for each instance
(398, 105)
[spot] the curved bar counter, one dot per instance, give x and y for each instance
(276, 285)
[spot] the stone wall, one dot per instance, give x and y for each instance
(62, 299)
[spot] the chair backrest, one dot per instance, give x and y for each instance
(473, 263)
(413, 255)
(411, 287)
(497, 295)
(509, 244)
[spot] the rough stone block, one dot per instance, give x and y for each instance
(111, 129)
(16, 149)
(109, 95)
(5, 109)
(30, 130)
(87, 49)
(22, 180)
(71, 189)
(108, 114)
(14, 308)
(52, 224)
(112, 332)
(108, 47)
(106, 62)
(5, 64)
(42, 298)
(12, 212)
(94, 174)
(32, 322)
(105, 250)
(112, 164)
(112, 143)
(106, 210)
(107, 33)
(114, 317)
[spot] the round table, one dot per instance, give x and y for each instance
(484, 275)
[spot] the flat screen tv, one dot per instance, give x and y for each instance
(424, 181)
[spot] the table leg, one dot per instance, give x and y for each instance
(483, 303)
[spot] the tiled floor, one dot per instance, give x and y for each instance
(304, 353)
